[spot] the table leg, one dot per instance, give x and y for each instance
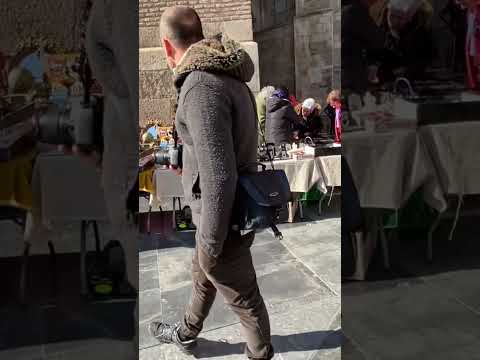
(292, 208)
(83, 259)
(97, 237)
(320, 203)
(430, 237)
(24, 274)
(174, 222)
(149, 216)
(384, 242)
(53, 268)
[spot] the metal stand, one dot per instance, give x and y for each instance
(174, 220)
(83, 253)
(83, 259)
(53, 269)
(24, 275)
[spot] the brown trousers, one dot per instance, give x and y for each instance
(232, 274)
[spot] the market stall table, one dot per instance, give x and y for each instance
(305, 173)
(387, 168)
(66, 188)
(16, 200)
(330, 167)
(452, 148)
(168, 185)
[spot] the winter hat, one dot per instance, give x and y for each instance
(309, 104)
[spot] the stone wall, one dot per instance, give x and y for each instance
(301, 47)
(30, 18)
(276, 49)
(317, 47)
(274, 33)
(157, 95)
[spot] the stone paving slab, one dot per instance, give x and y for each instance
(77, 350)
(296, 337)
(406, 320)
(304, 307)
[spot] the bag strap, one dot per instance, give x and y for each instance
(245, 167)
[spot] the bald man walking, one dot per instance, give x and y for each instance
(217, 122)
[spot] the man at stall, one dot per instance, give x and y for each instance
(310, 123)
(407, 49)
(217, 123)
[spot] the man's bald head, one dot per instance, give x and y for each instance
(182, 26)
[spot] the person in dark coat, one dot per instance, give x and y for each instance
(311, 123)
(407, 50)
(281, 118)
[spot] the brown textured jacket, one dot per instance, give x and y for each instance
(217, 121)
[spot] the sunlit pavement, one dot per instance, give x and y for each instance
(299, 278)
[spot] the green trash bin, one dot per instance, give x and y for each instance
(314, 195)
(416, 214)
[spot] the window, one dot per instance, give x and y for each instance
(281, 6)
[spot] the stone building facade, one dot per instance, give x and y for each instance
(26, 19)
(157, 95)
(299, 44)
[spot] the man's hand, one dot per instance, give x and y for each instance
(92, 157)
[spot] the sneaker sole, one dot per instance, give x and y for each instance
(187, 349)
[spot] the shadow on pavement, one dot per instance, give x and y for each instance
(310, 341)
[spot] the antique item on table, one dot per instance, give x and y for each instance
(311, 148)
(146, 160)
(262, 153)
(162, 157)
(16, 133)
(80, 125)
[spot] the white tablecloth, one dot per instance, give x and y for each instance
(331, 169)
(387, 168)
(302, 174)
(168, 184)
(65, 188)
(453, 148)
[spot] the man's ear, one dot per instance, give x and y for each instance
(169, 50)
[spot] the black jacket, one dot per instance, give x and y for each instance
(328, 119)
(281, 121)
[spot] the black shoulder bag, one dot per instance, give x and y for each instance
(260, 196)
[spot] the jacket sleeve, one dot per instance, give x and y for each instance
(208, 117)
(293, 117)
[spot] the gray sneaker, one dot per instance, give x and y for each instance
(168, 334)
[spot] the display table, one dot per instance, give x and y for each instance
(15, 182)
(453, 148)
(66, 188)
(387, 168)
(302, 174)
(16, 199)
